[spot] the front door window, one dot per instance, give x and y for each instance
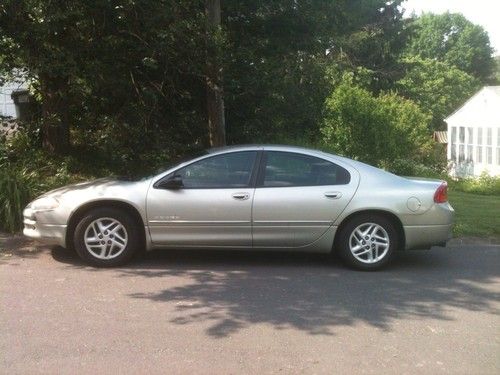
(233, 170)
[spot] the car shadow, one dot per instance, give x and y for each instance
(310, 292)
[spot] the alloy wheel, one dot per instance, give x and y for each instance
(369, 243)
(105, 238)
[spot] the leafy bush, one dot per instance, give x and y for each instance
(485, 185)
(23, 176)
(15, 192)
(375, 129)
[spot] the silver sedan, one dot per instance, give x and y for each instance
(248, 197)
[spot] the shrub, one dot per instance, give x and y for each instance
(15, 192)
(485, 185)
(24, 176)
(375, 129)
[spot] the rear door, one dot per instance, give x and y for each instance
(297, 198)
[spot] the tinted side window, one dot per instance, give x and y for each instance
(222, 171)
(290, 169)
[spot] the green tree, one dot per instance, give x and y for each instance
(371, 47)
(374, 129)
(128, 77)
(126, 74)
(452, 39)
(496, 73)
(437, 87)
(274, 79)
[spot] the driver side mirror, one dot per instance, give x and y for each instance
(172, 183)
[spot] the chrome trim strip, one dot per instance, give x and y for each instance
(261, 223)
(196, 223)
(292, 223)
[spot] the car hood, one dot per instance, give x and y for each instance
(81, 186)
(101, 189)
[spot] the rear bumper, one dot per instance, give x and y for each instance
(426, 236)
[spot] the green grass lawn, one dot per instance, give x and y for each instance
(476, 215)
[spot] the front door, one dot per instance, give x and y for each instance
(213, 207)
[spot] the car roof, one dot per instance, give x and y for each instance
(277, 147)
(250, 147)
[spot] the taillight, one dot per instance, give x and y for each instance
(441, 194)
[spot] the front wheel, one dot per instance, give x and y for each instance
(367, 242)
(106, 237)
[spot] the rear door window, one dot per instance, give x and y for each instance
(282, 169)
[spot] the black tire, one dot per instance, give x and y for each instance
(133, 243)
(342, 243)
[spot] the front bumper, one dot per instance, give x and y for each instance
(53, 234)
(426, 236)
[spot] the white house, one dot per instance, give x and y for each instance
(7, 106)
(474, 135)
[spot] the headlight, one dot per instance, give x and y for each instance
(47, 203)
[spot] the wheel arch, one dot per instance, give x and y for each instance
(78, 214)
(379, 212)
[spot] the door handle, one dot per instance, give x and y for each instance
(241, 196)
(333, 194)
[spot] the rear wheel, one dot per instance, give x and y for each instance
(367, 242)
(106, 237)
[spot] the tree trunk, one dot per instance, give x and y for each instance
(215, 100)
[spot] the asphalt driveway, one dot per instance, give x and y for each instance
(184, 312)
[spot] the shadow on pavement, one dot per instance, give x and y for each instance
(19, 247)
(309, 292)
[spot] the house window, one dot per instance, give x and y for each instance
(461, 153)
(453, 144)
(470, 138)
(461, 144)
(479, 146)
(470, 135)
(479, 154)
(489, 148)
(498, 146)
